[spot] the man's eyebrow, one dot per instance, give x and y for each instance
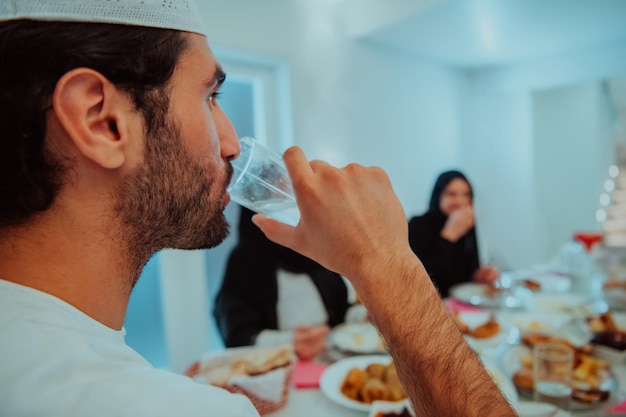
(217, 79)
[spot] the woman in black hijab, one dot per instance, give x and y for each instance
(249, 309)
(444, 238)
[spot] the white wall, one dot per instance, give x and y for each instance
(573, 151)
(351, 102)
(537, 136)
(497, 151)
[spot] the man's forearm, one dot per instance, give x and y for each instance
(442, 375)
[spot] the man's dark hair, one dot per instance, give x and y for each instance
(33, 57)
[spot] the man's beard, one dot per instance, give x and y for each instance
(171, 201)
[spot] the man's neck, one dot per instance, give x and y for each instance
(87, 270)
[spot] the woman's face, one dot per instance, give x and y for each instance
(457, 194)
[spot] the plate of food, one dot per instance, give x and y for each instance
(548, 282)
(358, 381)
(593, 381)
(532, 322)
(362, 338)
(489, 296)
(609, 336)
(480, 328)
(576, 305)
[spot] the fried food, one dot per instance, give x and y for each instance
(352, 383)
(374, 389)
(532, 339)
(531, 284)
(486, 330)
(375, 382)
(492, 291)
(602, 323)
(614, 283)
(396, 390)
(524, 378)
(588, 375)
(607, 332)
(375, 370)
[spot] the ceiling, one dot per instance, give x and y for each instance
(485, 33)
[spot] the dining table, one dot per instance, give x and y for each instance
(311, 401)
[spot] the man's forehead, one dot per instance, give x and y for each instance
(180, 15)
(197, 62)
(198, 56)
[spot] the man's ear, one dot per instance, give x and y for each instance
(95, 115)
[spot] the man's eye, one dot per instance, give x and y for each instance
(213, 97)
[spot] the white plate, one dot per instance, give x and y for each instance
(357, 338)
(535, 409)
(531, 322)
(578, 305)
(475, 294)
(333, 376)
(474, 319)
(479, 295)
(552, 282)
(503, 382)
(396, 407)
(614, 356)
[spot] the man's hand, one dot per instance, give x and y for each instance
(350, 218)
(310, 341)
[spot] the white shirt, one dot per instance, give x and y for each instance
(300, 304)
(55, 361)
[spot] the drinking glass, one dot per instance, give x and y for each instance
(552, 372)
(261, 183)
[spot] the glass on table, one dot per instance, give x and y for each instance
(553, 364)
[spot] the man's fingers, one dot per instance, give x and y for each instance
(274, 230)
(296, 163)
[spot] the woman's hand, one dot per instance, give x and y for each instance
(486, 274)
(310, 341)
(459, 222)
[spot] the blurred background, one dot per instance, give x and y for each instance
(527, 97)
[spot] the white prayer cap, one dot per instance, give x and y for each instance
(169, 14)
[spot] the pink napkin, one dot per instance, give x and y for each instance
(307, 374)
(617, 409)
(452, 304)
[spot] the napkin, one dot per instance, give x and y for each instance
(308, 374)
(617, 409)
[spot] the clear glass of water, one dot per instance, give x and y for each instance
(261, 183)
(553, 364)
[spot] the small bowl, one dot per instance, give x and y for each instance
(391, 407)
(609, 354)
